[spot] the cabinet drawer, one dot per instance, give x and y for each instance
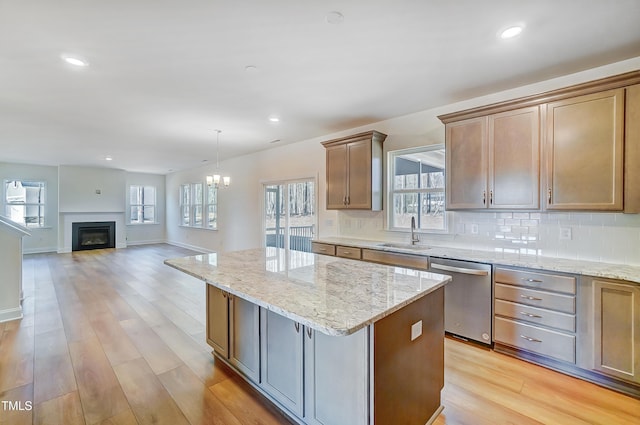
(532, 338)
(549, 282)
(394, 259)
(323, 248)
(348, 252)
(542, 299)
(554, 319)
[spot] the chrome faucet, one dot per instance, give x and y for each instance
(414, 238)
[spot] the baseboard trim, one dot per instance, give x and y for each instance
(149, 242)
(10, 314)
(191, 247)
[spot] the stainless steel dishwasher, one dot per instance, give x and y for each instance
(467, 299)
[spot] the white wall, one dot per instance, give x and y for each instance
(41, 239)
(90, 189)
(600, 236)
(77, 193)
(240, 224)
(147, 233)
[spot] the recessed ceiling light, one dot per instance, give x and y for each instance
(274, 119)
(250, 68)
(334, 18)
(511, 32)
(274, 141)
(75, 61)
(108, 158)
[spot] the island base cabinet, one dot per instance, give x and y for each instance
(218, 320)
(244, 337)
(336, 378)
(408, 363)
(281, 371)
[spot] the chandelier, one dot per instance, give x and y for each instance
(215, 179)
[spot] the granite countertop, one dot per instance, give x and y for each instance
(336, 296)
(579, 267)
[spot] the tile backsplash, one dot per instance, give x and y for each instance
(606, 237)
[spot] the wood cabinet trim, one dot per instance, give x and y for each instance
(608, 83)
(632, 150)
(368, 135)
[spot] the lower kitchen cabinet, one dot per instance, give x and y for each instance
(336, 378)
(616, 328)
(535, 312)
(326, 385)
(244, 337)
(281, 356)
(218, 320)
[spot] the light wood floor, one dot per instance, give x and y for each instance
(117, 337)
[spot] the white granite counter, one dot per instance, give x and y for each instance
(333, 295)
(580, 267)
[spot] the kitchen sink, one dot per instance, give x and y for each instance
(404, 246)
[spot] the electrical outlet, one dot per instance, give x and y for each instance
(565, 233)
(474, 229)
(416, 330)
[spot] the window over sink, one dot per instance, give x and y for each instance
(417, 189)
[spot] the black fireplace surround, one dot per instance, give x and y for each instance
(93, 235)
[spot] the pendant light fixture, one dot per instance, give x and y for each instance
(215, 179)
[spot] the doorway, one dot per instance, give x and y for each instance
(290, 214)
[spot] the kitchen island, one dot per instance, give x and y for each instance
(328, 340)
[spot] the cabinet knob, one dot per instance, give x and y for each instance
(549, 196)
(484, 197)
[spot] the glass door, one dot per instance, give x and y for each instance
(289, 213)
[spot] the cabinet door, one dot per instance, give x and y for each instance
(218, 320)
(244, 337)
(336, 177)
(584, 152)
(281, 360)
(514, 159)
(466, 153)
(359, 174)
(336, 378)
(617, 329)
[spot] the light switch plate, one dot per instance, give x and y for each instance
(416, 330)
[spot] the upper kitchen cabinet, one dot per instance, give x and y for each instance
(354, 171)
(632, 150)
(575, 148)
(584, 152)
(493, 161)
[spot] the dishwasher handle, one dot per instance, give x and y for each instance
(460, 270)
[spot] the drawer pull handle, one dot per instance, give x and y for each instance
(309, 332)
(530, 315)
(528, 338)
(529, 297)
(322, 249)
(346, 252)
(531, 280)
(297, 325)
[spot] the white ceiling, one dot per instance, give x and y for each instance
(164, 74)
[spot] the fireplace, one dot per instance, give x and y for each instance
(93, 235)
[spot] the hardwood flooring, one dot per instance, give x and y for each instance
(117, 337)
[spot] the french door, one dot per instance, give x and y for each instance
(290, 214)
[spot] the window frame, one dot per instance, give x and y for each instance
(391, 191)
(144, 204)
(42, 206)
(190, 208)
